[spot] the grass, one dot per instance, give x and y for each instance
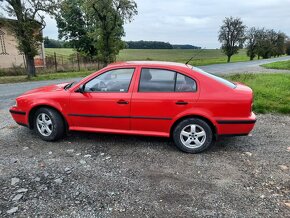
(41, 77)
(280, 65)
(206, 57)
(271, 91)
(59, 51)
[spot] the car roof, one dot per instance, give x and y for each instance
(151, 64)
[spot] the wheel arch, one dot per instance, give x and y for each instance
(208, 121)
(36, 107)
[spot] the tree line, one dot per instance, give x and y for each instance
(53, 43)
(156, 45)
(259, 42)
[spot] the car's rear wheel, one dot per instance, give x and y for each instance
(193, 135)
(49, 124)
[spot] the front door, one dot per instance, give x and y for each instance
(105, 103)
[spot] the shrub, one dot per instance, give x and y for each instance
(288, 48)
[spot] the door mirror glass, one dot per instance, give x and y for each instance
(81, 89)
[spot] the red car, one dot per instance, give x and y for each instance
(142, 98)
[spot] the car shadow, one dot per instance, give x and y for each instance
(121, 141)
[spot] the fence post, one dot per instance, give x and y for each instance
(55, 62)
(78, 59)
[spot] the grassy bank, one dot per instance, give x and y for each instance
(272, 91)
(41, 77)
(280, 65)
(204, 57)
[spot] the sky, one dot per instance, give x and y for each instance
(197, 22)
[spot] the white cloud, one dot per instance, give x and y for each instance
(197, 22)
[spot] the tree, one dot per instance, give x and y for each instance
(148, 45)
(28, 26)
(252, 43)
(75, 26)
(95, 27)
(111, 16)
(288, 47)
(52, 43)
(281, 43)
(232, 36)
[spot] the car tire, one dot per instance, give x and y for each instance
(193, 135)
(49, 124)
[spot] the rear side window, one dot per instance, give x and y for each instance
(185, 84)
(217, 78)
(155, 80)
(160, 80)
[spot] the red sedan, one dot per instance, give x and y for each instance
(142, 98)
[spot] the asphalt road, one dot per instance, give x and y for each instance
(241, 67)
(8, 92)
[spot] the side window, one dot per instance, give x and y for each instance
(112, 81)
(157, 80)
(185, 84)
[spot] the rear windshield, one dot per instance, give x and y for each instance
(219, 79)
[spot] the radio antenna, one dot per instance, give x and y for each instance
(201, 50)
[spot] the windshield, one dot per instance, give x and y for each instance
(219, 79)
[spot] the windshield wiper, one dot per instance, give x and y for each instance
(68, 86)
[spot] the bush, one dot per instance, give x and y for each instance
(288, 48)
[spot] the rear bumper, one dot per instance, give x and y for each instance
(19, 116)
(241, 126)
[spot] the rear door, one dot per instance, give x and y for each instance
(160, 96)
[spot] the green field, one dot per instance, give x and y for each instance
(59, 51)
(205, 57)
(280, 65)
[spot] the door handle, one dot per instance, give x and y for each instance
(122, 102)
(181, 103)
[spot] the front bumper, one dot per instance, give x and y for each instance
(19, 116)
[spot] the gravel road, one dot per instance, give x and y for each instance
(98, 175)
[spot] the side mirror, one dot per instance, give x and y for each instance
(81, 89)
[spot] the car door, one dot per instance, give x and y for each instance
(105, 102)
(161, 95)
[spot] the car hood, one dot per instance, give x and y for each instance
(45, 89)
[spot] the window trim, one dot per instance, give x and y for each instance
(175, 80)
(126, 68)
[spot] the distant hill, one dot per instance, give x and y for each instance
(156, 45)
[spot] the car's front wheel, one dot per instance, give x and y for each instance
(193, 135)
(48, 124)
